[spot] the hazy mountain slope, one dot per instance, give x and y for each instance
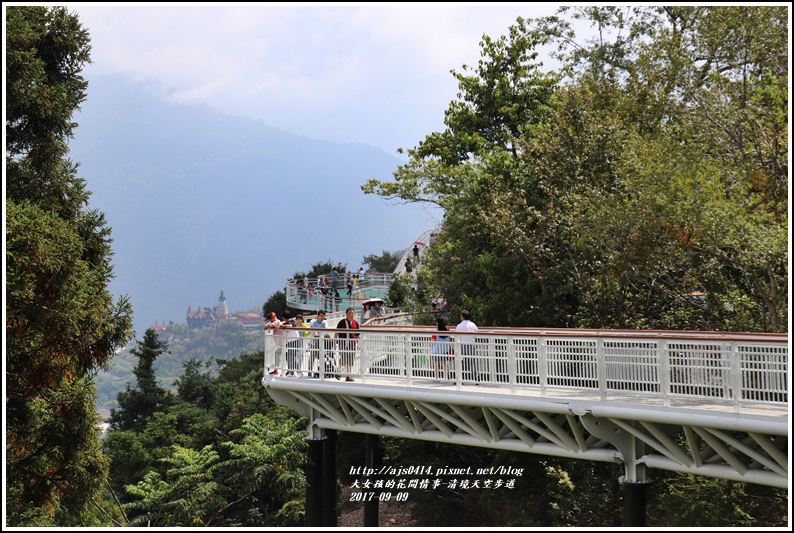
(200, 201)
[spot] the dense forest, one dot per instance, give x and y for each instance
(651, 167)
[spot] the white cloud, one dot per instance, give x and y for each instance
(378, 74)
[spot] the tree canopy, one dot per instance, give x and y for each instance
(651, 167)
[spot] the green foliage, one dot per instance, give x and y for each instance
(130, 456)
(193, 386)
(385, 262)
(218, 345)
(46, 49)
(61, 322)
(204, 465)
(277, 303)
(701, 501)
(321, 268)
(187, 497)
(659, 169)
(137, 405)
(401, 293)
(269, 451)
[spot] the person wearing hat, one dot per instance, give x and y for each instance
(375, 309)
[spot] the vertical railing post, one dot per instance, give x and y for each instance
(484, 362)
(736, 376)
(601, 369)
(511, 364)
(543, 371)
(267, 359)
(457, 364)
(363, 356)
(408, 358)
(664, 370)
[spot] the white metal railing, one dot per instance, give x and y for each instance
(740, 369)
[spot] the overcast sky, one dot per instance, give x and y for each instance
(374, 74)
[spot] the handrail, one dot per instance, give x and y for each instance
(737, 369)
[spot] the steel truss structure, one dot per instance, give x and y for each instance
(745, 447)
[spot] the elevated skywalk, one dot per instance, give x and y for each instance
(713, 404)
(312, 295)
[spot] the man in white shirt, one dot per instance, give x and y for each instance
(317, 322)
(467, 346)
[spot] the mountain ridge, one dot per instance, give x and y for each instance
(200, 201)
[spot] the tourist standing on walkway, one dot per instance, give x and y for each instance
(408, 267)
(272, 323)
(347, 343)
(304, 335)
(272, 328)
(441, 350)
(303, 289)
(317, 322)
(467, 347)
(334, 279)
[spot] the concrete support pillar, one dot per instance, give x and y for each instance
(371, 460)
(314, 484)
(635, 499)
(329, 479)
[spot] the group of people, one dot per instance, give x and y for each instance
(329, 285)
(321, 349)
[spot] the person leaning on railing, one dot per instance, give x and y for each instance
(272, 327)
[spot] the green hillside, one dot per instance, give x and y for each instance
(225, 342)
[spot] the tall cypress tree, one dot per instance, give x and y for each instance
(61, 322)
